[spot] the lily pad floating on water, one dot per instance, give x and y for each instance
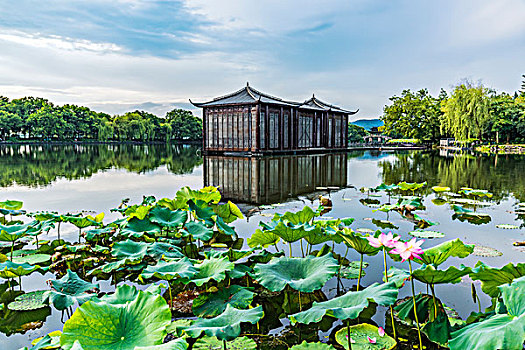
(364, 336)
(426, 234)
(312, 346)
(352, 270)
(213, 304)
(28, 301)
(481, 250)
(365, 230)
(507, 227)
(32, 259)
(440, 189)
(212, 343)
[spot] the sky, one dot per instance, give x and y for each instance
(155, 55)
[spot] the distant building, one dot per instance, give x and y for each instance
(254, 122)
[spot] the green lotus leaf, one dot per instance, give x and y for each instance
(168, 218)
(440, 253)
(303, 216)
(469, 201)
(210, 269)
(170, 269)
(481, 250)
(11, 204)
(440, 189)
(202, 211)
(426, 234)
(423, 223)
(213, 304)
(82, 222)
(228, 212)
(408, 186)
(158, 250)
(475, 192)
(226, 326)
(177, 344)
(429, 274)
(105, 326)
(302, 274)
(69, 289)
(212, 343)
(108, 267)
(97, 233)
(384, 224)
(138, 212)
(385, 187)
(197, 230)
(507, 227)
(262, 239)
(491, 278)
(349, 305)
(11, 233)
(397, 276)
(208, 195)
(352, 270)
(28, 301)
(125, 293)
(49, 341)
(137, 228)
(33, 259)
(365, 230)
(130, 251)
(9, 269)
(292, 233)
(439, 201)
(500, 331)
(358, 242)
(360, 333)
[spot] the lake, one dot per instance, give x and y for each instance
(96, 178)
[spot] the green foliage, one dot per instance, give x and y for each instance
(356, 133)
(214, 303)
(68, 290)
(360, 334)
(491, 278)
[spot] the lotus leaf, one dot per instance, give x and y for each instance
(28, 301)
(210, 269)
(440, 189)
(478, 193)
(96, 233)
(365, 230)
(292, 233)
(352, 270)
(138, 212)
(500, 331)
(358, 242)
(9, 269)
(202, 211)
(312, 346)
(226, 326)
(158, 250)
(384, 224)
(429, 274)
(349, 305)
(125, 293)
(491, 278)
(177, 344)
(170, 269)
(213, 304)
(105, 326)
(137, 228)
(11, 204)
(33, 259)
(303, 274)
(507, 227)
(224, 227)
(212, 343)
(481, 250)
(69, 289)
(440, 253)
(11, 233)
(360, 334)
(129, 251)
(207, 194)
(262, 239)
(197, 230)
(410, 186)
(303, 216)
(397, 276)
(49, 341)
(385, 187)
(239, 271)
(168, 218)
(228, 212)
(426, 234)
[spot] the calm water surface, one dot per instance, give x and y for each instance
(97, 177)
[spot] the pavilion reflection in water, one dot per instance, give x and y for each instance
(274, 179)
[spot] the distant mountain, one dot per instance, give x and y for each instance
(368, 123)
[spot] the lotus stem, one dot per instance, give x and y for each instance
(58, 230)
(386, 280)
(434, 297)
(12, 248)
(276, 248)
(302, 250)
(300, 304)
(20, 282)
(348, 334)
(171, 296)
(290, 246)
(360, 271)
(415, 308)
(79, 234)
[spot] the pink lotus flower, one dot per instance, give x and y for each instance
(408, 250)
(381, 331)
(383, 240)
(371, 340)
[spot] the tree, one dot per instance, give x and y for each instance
(356, 133)
(184, 125)
(9, 123)
(466, 112)
(507, 120)
(413, 115)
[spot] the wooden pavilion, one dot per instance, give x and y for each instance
(250, 121)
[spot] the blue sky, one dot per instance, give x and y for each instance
(120, 55)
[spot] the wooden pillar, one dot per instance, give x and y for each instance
(281, 129)
(266, 129)
(204, 129)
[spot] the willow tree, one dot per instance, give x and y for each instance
(466, 112)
